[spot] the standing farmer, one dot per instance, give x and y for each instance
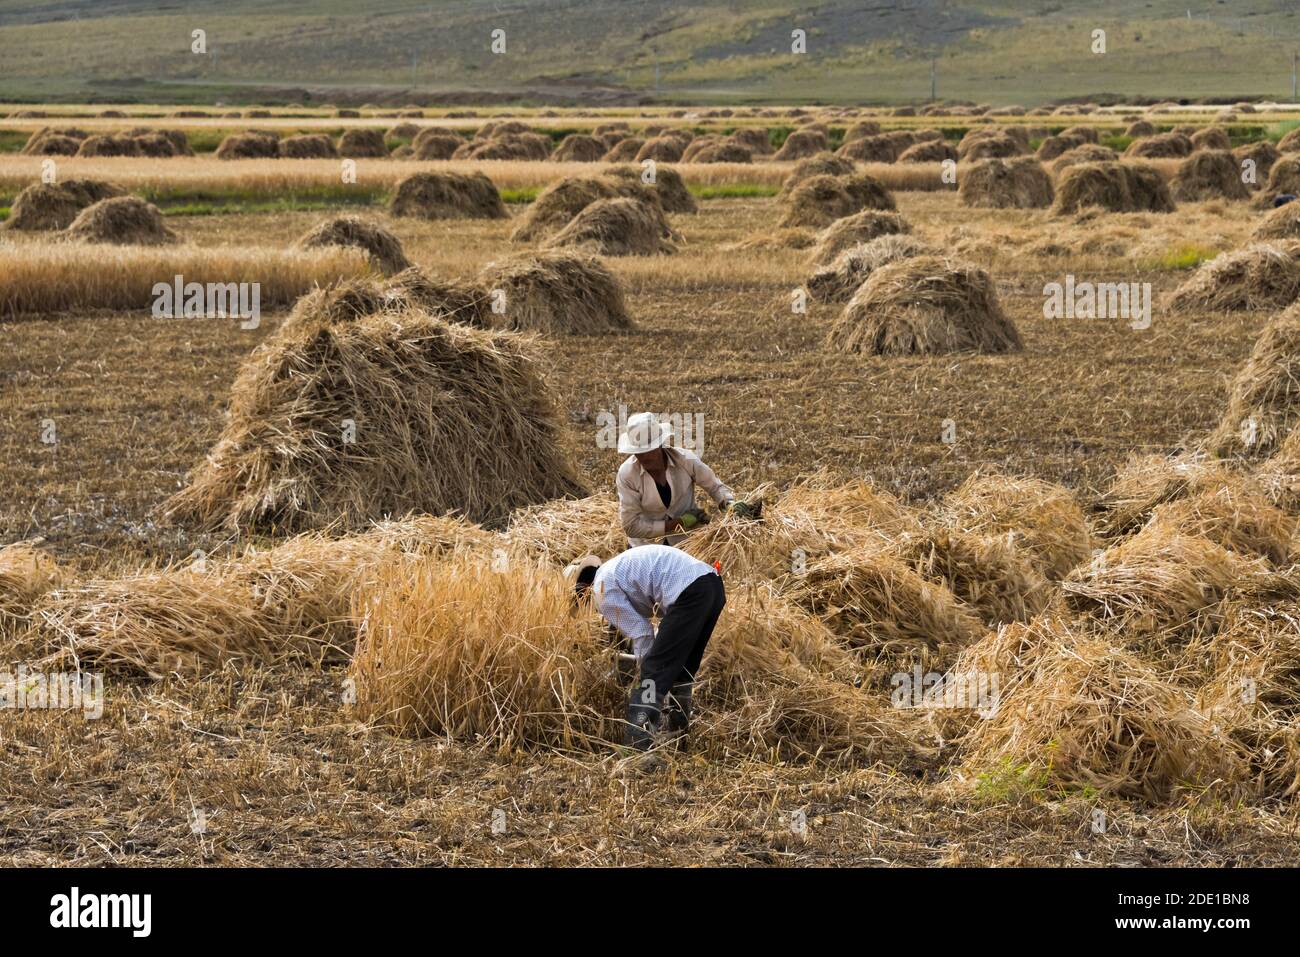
(656, 484)
(689, 595)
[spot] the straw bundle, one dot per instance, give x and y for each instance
(924, 305)
(447, 196)
(1160, 146)
(801, 144)
(1262, 276)
(390, 413)
(383, 248)
(844, 275)
(618, 227)
(1085, 714)
(1264, 403)
(1019, 183)
(461, 650)
(563, 531)
(1236, 515)
(466, 302)
(1279, 476)
(1280, 223)
(48, 206)
(990, 573)
(122, 221)
(849, 513)
(884, 608)
(578, 148)
(1146, 481)
(556, 292)
(1208, 174)
(26, 573)
(820, 200)
(1156, 581)
(1044, 519)
(1114, 187)
(859, 228)
(823, 164)
(557, 204)
(668, 187)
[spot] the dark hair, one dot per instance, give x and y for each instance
(586, 576)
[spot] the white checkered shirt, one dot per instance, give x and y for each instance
(629, 586)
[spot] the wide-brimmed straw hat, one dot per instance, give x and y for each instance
(644, 433)
(573, 569)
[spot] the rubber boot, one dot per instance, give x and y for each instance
(677, 710)
(642, 722)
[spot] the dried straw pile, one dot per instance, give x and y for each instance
(26, 573)
(464, 302)
(843, 276)
(668, 186)
(1237, 515)
(480, 654)
(1114, 187)
(1084, 714)
(618, 227)
(871, 598)
(447, 196)
(1262, 276)
(1160, 146)
(121, 221)
(307, 146)
(924, 305)
(383, 248)
(578, 148)
(564, 531)
(801, 144)
(1019, 183)
(254, 144)
(1043, 519)
(359, 143)
(859, 228)
(50, 206)
(556, 292)
(1208, 174)
(1155, 582)
(820, 200)
(928, 151)
(1086, 153)
(1281, 223)
(351, 421)
(1145, 481)
(1264, 402)
(556, 205)
(823, 164)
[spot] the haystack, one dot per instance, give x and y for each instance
(384, 249)
(801, 144)
(1042, 518)
(668, 186)
(108, 145)
(1114, 187)
(1281, 223)
(1262, 276)
(1160, 146)
(618, 227)
(853, 230)
(1087, 153)
(1139, 128)
(555, 292)
(578, 148)
(1284, 177)
(1055, 146)
(447, 196)
(121, 221)
(928, 151)
(250, 145)
(362, 143)
(885, 609)
(463, 302)
(523, 146)
(842, 277)
(1087, 715)
(723, 152)
(1290, 142)
(49, 206)
(872, 149)
(860, 129)
(556, 205)
(307, 146)
(993, 146)
(430, 148)
(1019, 183)
(924, 305)
(665, 149)
(625, 150)
(1155, 582)
(1211, 138)
(390, 413)
(823, 164)
(47, 142)
(754, 139)
(1264, 401)
(1208, 174)
(820, 200)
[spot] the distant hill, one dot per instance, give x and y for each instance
(869, 51)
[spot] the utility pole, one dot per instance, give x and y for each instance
(1293, 62)
(934, 80)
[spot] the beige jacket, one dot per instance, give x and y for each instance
(640, 509)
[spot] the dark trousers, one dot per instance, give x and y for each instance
(679, 645)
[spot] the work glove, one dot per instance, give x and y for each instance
(692, 517)
(745, 510)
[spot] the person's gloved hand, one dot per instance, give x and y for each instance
(692, 517)
(745, 510)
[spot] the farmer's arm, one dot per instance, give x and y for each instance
(635, 522)
(705, 478)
